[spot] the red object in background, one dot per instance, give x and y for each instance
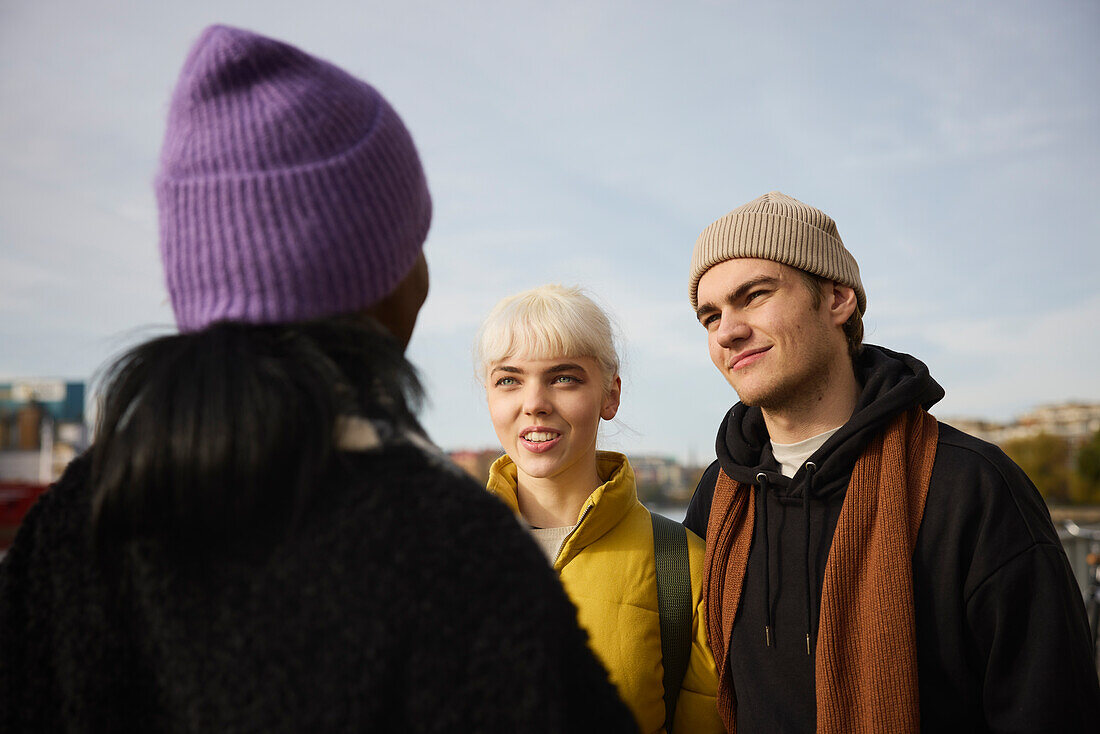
(15, 499)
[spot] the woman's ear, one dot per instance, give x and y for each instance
(611, 400)
(397, 312)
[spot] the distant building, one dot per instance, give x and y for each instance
(981, 428)
(476, 463)
(42, 428)
(1074, 422)
(661, 479)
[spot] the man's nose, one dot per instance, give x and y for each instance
(731, 330)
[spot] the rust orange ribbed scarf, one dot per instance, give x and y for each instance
(865, 666)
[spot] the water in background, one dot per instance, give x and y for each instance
(675, 512)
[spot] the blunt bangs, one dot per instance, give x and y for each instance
(545, 323)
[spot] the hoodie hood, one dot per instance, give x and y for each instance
(891, 383)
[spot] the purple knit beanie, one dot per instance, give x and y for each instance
(288, 189)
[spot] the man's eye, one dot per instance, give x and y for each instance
(706, 321)
(506, 381)
(752, 296)
(566, 379)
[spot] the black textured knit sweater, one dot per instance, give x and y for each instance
(410, 601)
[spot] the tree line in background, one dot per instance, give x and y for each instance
(1064, 471)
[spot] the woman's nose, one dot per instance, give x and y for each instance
(536, 400)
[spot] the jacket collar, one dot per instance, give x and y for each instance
(601, 512)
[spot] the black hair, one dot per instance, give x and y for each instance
(217, 440)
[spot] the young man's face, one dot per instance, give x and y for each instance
(764, 334)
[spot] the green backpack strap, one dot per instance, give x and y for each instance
(670, 552)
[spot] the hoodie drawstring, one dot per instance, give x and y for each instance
(762, 484)
(811, 469)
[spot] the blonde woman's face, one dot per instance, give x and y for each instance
(546, 413)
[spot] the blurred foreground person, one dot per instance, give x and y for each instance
(261, 538)
(868, 568)
(551, 374)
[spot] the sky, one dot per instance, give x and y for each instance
(956, 144)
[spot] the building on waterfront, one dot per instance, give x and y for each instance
(1075, 422)
(42, 428)
(476, 463)
(662, 479)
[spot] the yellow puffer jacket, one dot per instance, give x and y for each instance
(606, 566)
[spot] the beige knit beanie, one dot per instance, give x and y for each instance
(780, 228)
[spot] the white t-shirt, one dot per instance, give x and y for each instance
(791, 456)
(550, 540)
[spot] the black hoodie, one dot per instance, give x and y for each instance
(1002, 640)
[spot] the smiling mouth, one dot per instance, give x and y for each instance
(539, 441)
(746, 358)
(539, 436)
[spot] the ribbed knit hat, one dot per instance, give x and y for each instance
(780, 228)
(288, 189)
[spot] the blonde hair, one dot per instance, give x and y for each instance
(547, 322)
